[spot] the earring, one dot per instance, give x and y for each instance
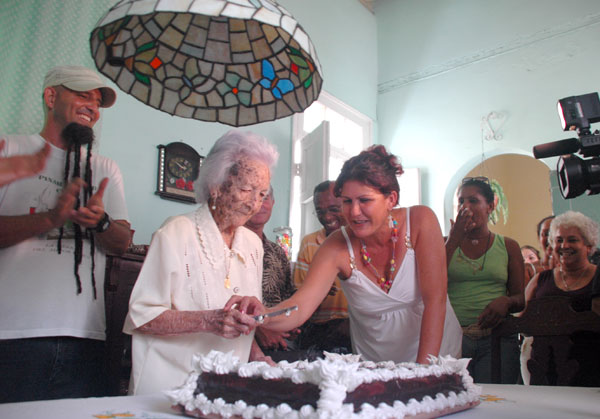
(390, 221)
(213, 207)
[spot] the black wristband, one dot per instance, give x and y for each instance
(103, 225)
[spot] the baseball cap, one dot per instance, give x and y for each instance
(80, 79)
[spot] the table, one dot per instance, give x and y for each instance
(497, 401)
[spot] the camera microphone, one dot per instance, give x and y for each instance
(556, 148)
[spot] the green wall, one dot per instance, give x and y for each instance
(38, 34)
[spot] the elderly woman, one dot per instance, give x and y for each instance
(573, 238)
(485, 280)
(195, 263)
(392, 269)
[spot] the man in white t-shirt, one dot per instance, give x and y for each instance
(55, 231)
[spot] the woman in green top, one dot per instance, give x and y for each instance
(485, 280)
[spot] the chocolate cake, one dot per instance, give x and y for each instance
(339, 386)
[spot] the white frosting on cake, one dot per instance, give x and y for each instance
(336, 375)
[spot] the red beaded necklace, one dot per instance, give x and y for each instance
(384, 283)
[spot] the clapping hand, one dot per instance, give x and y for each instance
(90, 215)
(21, 166)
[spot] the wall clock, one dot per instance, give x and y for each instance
(178, 165)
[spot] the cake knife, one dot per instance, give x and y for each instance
(287, 311)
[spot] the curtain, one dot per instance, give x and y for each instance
(36, 35)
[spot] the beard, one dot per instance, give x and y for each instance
(77, 134)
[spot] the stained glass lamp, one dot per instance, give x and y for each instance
(238, 62)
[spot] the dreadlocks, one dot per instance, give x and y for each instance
(75, 136)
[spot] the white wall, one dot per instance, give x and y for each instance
(445, 64)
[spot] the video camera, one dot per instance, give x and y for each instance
(576, 175)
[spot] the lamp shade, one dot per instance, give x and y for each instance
(238, 62)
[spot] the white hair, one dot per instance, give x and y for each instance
(227, 151)
(587, 227)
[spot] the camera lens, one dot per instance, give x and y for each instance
(576, 176)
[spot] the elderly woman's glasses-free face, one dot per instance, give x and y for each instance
(476, 179)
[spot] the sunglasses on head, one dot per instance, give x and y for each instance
(476, 179)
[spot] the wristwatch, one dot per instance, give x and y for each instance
(103, 224)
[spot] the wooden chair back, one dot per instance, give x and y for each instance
(551, 321)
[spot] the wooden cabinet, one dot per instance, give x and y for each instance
(121, 274)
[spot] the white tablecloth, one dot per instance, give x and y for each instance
(497, 401)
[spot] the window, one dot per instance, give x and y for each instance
(349, 132)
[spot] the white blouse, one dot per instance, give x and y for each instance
(185, 269)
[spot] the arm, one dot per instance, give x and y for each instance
(305, 256)
(514, 302)
(17, 167)
(228, 324)
(118, 235)
(322, 273)
(15, 229)
(433, 279)
(529, 292)
(116, 238)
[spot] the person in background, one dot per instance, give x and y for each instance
(195, 263)
(277, 282)
(25, 165)
(55, 231)
(531, 256)
(573, 238)
(392, 267)
(485, 281)
(543, 228)
(328, 328)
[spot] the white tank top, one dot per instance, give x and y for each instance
(386, 326)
